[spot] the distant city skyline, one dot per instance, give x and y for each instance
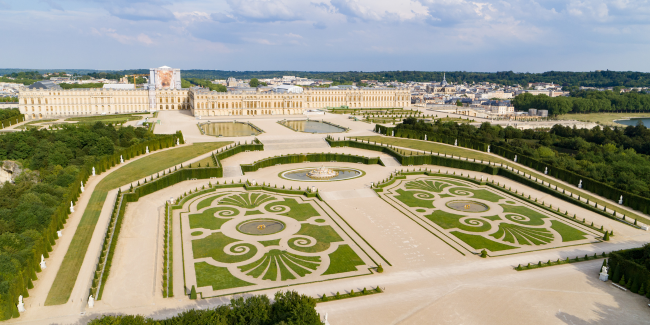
(327, 35)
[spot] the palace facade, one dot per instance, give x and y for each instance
(163, 92)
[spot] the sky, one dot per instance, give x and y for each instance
(328, 35)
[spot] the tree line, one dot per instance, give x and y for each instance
(8, 113)
(603, 78)
(617, 156)
(50, 163)
(288, 308)
(585, 101)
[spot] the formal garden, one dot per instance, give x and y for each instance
(236, 240)
(473, 218)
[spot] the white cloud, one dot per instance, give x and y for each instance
(136, 10)
(122, 38)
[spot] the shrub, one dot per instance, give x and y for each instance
(193, 293)
(622, 282)
(484, 254)
(380, 269)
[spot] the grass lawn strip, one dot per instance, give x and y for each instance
(480, 242)
(523, 235)
(67, 274)
(217, 277)
(567, 232)
(478, 155)
(342, 260)
(267, 243)
(247, 200)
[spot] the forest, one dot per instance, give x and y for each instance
(8, 99)
(8, 113)
(585, 101)
(288, 308)
(50, 162)
(616, 156)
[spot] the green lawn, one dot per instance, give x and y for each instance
(342, 260)
(67, 274)
(567, 232)
(207, 220)
(217, 277)
(478, 155)
(448, 220)
(298, 211)
(535, 218)
(414, 199)
(480, 242)
(213, 246)
(117, 118)
(477, 194)
(602, 118)
(31, 124)
(324, 235)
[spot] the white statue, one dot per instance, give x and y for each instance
(121, 159)
(147, 152)
(59, 233)
(456, 142)
(93, 171)
(620, 201)
(325, 320)
(603, 274)
(178, 142)
(43, 266)
(82, 187)
(392, 133)
(488, 149)
(580, 184)
(71, 207)
(481, 178)
(515, 158)
(425, 137)
(91, 302)
(545, 170)
(21, 305)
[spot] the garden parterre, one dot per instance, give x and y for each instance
(473, 217)
(236, 240)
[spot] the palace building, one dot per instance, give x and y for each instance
(164, 92)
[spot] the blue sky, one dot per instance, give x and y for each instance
(328, 35)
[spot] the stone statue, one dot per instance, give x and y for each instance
(91, 302)
(59, 233)
(325, 321)
(603, 273)
(71, 207)
(515, 158)
(147, 149)
(580, 184)
(456, 142)
(425, 137)
(82, 187)
(620, 201)
(43, 266)
(121, 159)
(488, 149)
(93, 171)
(21, 305)
(545, 170)
(392, 133)
(178, 142)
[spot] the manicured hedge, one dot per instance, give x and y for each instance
(12, 121)
(312, 157)
(623, 263)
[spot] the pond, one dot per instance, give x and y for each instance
(261, 227)
(634, 121)
(302, 174)
(468, 206)
(229, 129)
(310, 126)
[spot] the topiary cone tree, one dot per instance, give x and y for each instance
(380, 269)
(193, 293)
(484, 254)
